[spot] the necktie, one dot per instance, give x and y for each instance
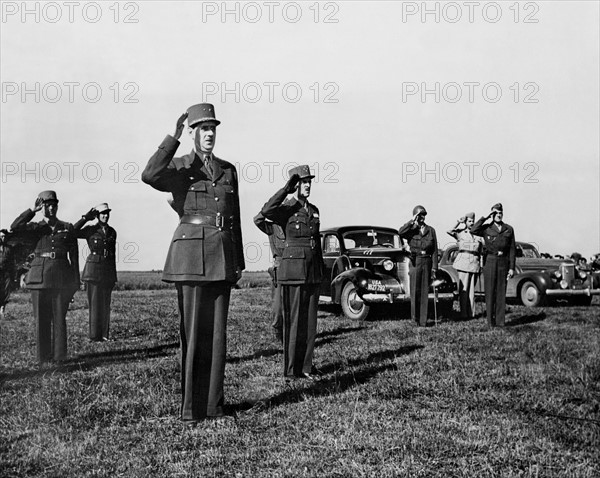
(208, 165)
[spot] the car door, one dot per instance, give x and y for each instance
(331, 252)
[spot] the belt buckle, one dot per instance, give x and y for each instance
(105, 254)
(312, 243)
(53, 255)
(500, 253)
(422, 253)
(219, 220)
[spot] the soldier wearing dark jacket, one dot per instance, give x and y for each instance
(205, 258)
(499, 266)
(276, 244)
(6, 270)
(54, 274)
(300, 271)
(100, 271)
(422, 241)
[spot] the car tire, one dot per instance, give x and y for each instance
(353, 309)
(531, 295)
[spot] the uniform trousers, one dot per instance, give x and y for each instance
(495, 272)
(466, 293)
(203, 310)
(420, 277)
(50, 310)
(300, 307)
(5, 288)
(99, 304)
(276, 307)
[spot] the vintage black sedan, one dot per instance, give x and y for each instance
(367, 265)
(537, 280)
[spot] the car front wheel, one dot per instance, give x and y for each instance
(531, 296)
(352, 305)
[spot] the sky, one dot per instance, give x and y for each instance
(452, 105)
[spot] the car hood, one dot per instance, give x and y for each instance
(378, 252)
(538, 264)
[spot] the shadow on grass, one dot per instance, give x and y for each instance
(345, 375)
(90, 361)
(526, 319)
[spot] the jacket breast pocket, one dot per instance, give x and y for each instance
(35, 275)
(298, 227)
(186, 255)
(293, 264)
(196, 197)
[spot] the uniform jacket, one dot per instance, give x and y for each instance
(212, 250)
(6, 260)
(60, 272)
(421, 245)
(100, 265)
(468, 258)
(497, 242)
(302, 257)
(276, 236)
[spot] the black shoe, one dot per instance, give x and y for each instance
(309, 376)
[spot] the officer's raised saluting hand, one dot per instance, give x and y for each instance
(90, 215)
(39, 203)
(290, 186)
(180, 124)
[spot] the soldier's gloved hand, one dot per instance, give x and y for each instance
(511, 273)
(179, 126)
(90, 215)
(290, 186)
(39, 203)
(433, 274)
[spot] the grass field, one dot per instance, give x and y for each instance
(394, 400)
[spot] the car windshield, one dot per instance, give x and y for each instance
(529, 251)
(370, 238)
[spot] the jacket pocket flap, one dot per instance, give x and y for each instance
(294, 253)
(188, 231)
(198, 187)
(228, 189)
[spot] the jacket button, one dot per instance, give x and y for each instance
(214, 184)
(216, 199)
(183, 235)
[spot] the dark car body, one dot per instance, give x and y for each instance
(537, 279)
(22, 245)
(365, 265)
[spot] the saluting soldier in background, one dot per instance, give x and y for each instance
(205, 258)
(467, 262)
(100, 271)
(300, 271)
(499, 262)
(276, 244)
(54, 274)
(422, 241)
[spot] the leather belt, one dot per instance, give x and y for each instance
(52, 255)
(301, 243)
(215, 221)
(496, 254)
(421, 254)
(102, 254)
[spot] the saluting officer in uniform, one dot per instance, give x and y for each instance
(300, 271)
(205, 258)
(422, 241)
(54, 274)
(499, 262)
(7, 270)
(100, 271)
(276, 244)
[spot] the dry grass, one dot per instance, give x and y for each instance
(393, 400)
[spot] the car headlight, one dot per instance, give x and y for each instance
(564, 284)
(557, 274)
(582, 275)
(388, 265)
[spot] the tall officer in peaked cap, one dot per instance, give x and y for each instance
(499, 266)
(100, 271)
(422, 241)
(300, 271)
(54, 274)
(205, 258)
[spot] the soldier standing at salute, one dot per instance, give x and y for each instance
(205, 258)
(100, 271)
(300, 271)
(499, 262)
(276, 244)
(54, 274)
(6, 270)
(422, 241)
